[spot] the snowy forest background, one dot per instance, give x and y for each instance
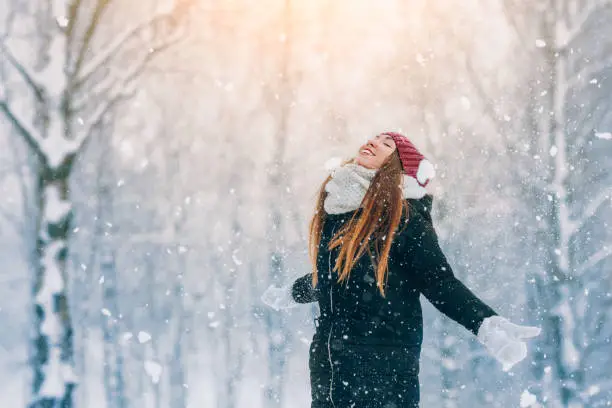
(159, 161)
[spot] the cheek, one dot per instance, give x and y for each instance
(385, 157)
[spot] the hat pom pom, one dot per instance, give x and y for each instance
(425, 172)
(332, 163)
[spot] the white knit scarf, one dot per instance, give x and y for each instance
(349, 184)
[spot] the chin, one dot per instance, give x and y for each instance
(366, 164)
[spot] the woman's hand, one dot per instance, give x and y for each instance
(503, 339)
(278, 298)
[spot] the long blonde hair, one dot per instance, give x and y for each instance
(383, 205)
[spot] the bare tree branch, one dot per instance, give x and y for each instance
(591, 120)
(28, 76)
(594, 204)
(97, 90)
(73, 16)
(578, 25)
(594, 259)
(98, 115)
(30, 134)
(92, 26)
(124, 86)
(113, 48)
(511, 15)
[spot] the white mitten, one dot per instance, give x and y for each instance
(279, 298)
(503, 339)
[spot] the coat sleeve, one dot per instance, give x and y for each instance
(302, 290)
(435, 278)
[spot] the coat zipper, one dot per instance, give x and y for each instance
(331, 307)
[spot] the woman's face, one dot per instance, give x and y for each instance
(374, 153)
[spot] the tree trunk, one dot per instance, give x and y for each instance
(280, 336)
(178, 393)
(113, 355)
(566, 353)
(64, 72)
(54, 379)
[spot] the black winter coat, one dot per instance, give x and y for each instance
(365, 351)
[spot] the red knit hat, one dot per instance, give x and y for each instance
(414, 163)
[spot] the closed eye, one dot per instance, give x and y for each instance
(386, 138)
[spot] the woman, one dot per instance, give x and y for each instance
(366, 347)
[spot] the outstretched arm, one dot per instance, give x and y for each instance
(436, 279)
(503, 339)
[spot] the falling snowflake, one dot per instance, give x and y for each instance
(143, 337)
(420, 59)
(527, 399)
(593, 389)
(153, 369)
(236, 260)
(553, 151)
(540, 43)
(62, 21)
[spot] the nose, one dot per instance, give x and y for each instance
(373, 142)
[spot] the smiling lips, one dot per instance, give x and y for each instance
(367, 151)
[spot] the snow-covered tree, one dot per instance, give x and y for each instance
(561, 62)
(279, 97)
(470, 210)
(76, 75)
(111, 317)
